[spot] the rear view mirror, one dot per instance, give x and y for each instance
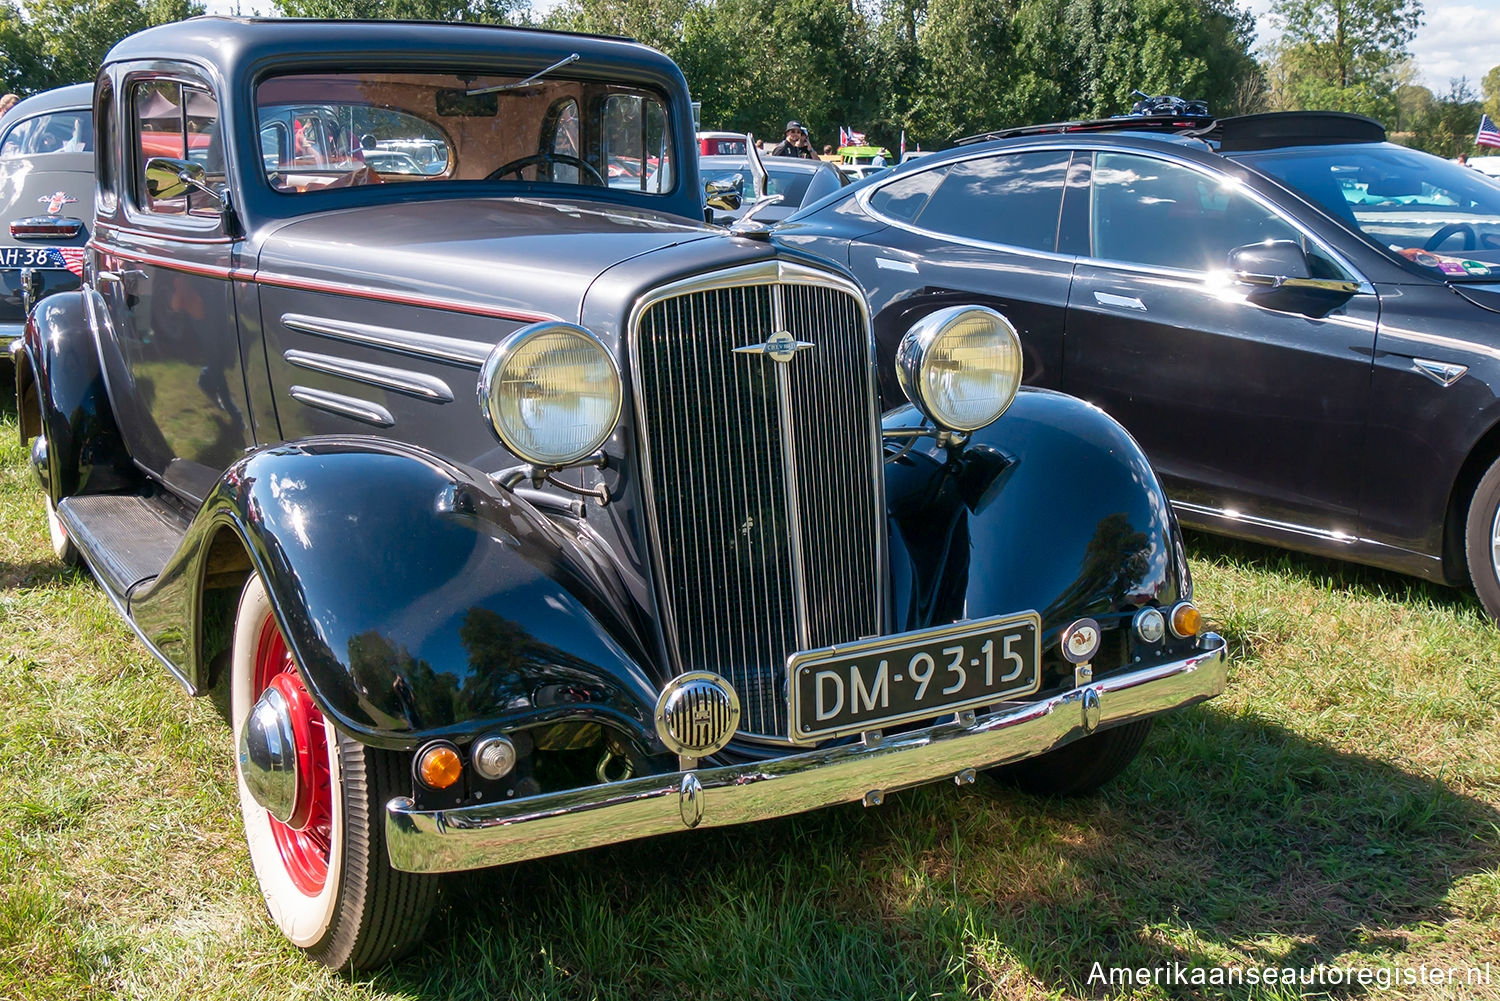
(167, 177)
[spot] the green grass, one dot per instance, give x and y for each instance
(1339, 805)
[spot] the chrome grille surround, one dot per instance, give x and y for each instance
(737, 449)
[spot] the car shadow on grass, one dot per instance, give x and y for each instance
(1232, 840)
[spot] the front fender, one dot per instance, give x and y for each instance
(1053, 508)
(420, 600)
(64, 404)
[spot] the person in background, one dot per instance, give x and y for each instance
(1463, 159)
(795, 143)
(7, 102)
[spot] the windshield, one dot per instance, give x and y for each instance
(335, 130)
(1440, 216)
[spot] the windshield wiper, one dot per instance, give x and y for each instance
(501, 88)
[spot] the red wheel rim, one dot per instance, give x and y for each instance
(305, 840)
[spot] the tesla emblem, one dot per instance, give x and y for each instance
(780, 346)
(56, 201)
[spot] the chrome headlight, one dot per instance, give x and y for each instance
(961, 366)
(551, 392)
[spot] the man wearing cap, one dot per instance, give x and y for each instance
(795, 143)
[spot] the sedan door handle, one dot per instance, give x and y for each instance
(1123, 301)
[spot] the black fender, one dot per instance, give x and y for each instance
(64, 403)
(420, 600)
(1053, 507)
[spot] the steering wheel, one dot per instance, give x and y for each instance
(516, 166)
(1471, 238)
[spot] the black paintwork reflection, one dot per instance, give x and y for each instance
(1053, 508)
(417, 597)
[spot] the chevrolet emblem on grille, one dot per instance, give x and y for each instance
(781, 346)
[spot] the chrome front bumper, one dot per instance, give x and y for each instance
(472, 837)
(11, 334)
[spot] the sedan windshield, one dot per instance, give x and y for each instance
(1440, 216)
(336, 130)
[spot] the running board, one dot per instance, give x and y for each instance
(126, 540)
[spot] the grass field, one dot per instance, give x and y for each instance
(1340, 805)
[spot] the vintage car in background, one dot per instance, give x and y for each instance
(520, 512)
(797, 182)
(1283, 309)
(46, 199)
(722, 143)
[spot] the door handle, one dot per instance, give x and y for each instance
(1123, 301)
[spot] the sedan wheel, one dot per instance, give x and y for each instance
(1482, 541)
(313, 805)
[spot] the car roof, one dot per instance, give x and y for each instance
(1238, 133)
(72, 97)
(239, 45)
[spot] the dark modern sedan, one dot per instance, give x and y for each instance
(798, 182)
(1296, 318)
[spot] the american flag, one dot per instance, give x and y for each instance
(856, 138)
(72, 259)
(1489, 135)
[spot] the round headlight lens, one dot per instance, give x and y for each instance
(551, 392)
(961, 366)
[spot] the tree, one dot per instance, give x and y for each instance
(50, 43)
(1450, 127)
(1491, 85)
(483, 11)
(1344, 55)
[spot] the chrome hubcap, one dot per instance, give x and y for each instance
(1495, 545)
(268, 755)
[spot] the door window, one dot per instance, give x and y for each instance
(637, 148)
(1012, 200)
(179, 122)
(1151, 212)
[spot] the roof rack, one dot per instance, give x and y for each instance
(1124, 123)
(1292, 128)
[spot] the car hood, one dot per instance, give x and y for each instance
(519, 254)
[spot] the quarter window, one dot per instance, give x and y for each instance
(904, 199)
(179, 122)
(1151, 212)
(637, 148)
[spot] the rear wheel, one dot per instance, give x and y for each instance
(1482, 541)
(1080, 767)
(323, 872)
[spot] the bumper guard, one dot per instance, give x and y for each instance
(473, 837)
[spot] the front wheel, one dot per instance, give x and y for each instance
(57, 533)
(1080, 767)
(1482, 541)
(323, 871)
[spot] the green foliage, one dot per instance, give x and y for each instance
(1450, 127)
(51, 43)
(1343, 55)
(484, 11)
(1491, 85)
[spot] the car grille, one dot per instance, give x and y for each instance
(762, 479)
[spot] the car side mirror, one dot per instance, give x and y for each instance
(1265, 263)
(1280, 278)
(723, 195)
(167, 177)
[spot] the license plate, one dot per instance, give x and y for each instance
(878, 683)
(30, 257)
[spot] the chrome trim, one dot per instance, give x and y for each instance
(1081, 144)
(1495, 544)
(553, 823)
(793, 490)
(1228, 515)
(1172, 620)
(775, 272)
(887, 264)
(968, 627)
(416, 384)
(1443, 373)
(697, 714)
(344, 406)
(268, 755)
(495, 360)
(1153, 633)
(430, 346)
(1123, 301)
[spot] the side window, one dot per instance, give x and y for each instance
(54, 132)
(1151, 212)
(637, 147)
(1013, 200)
(904, 199)
(105, 152)
(180, 122)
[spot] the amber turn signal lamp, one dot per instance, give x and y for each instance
(439, 766)
(1186, 621)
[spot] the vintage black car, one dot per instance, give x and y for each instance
(46, 199)
(522, 512)
(1296, 318)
